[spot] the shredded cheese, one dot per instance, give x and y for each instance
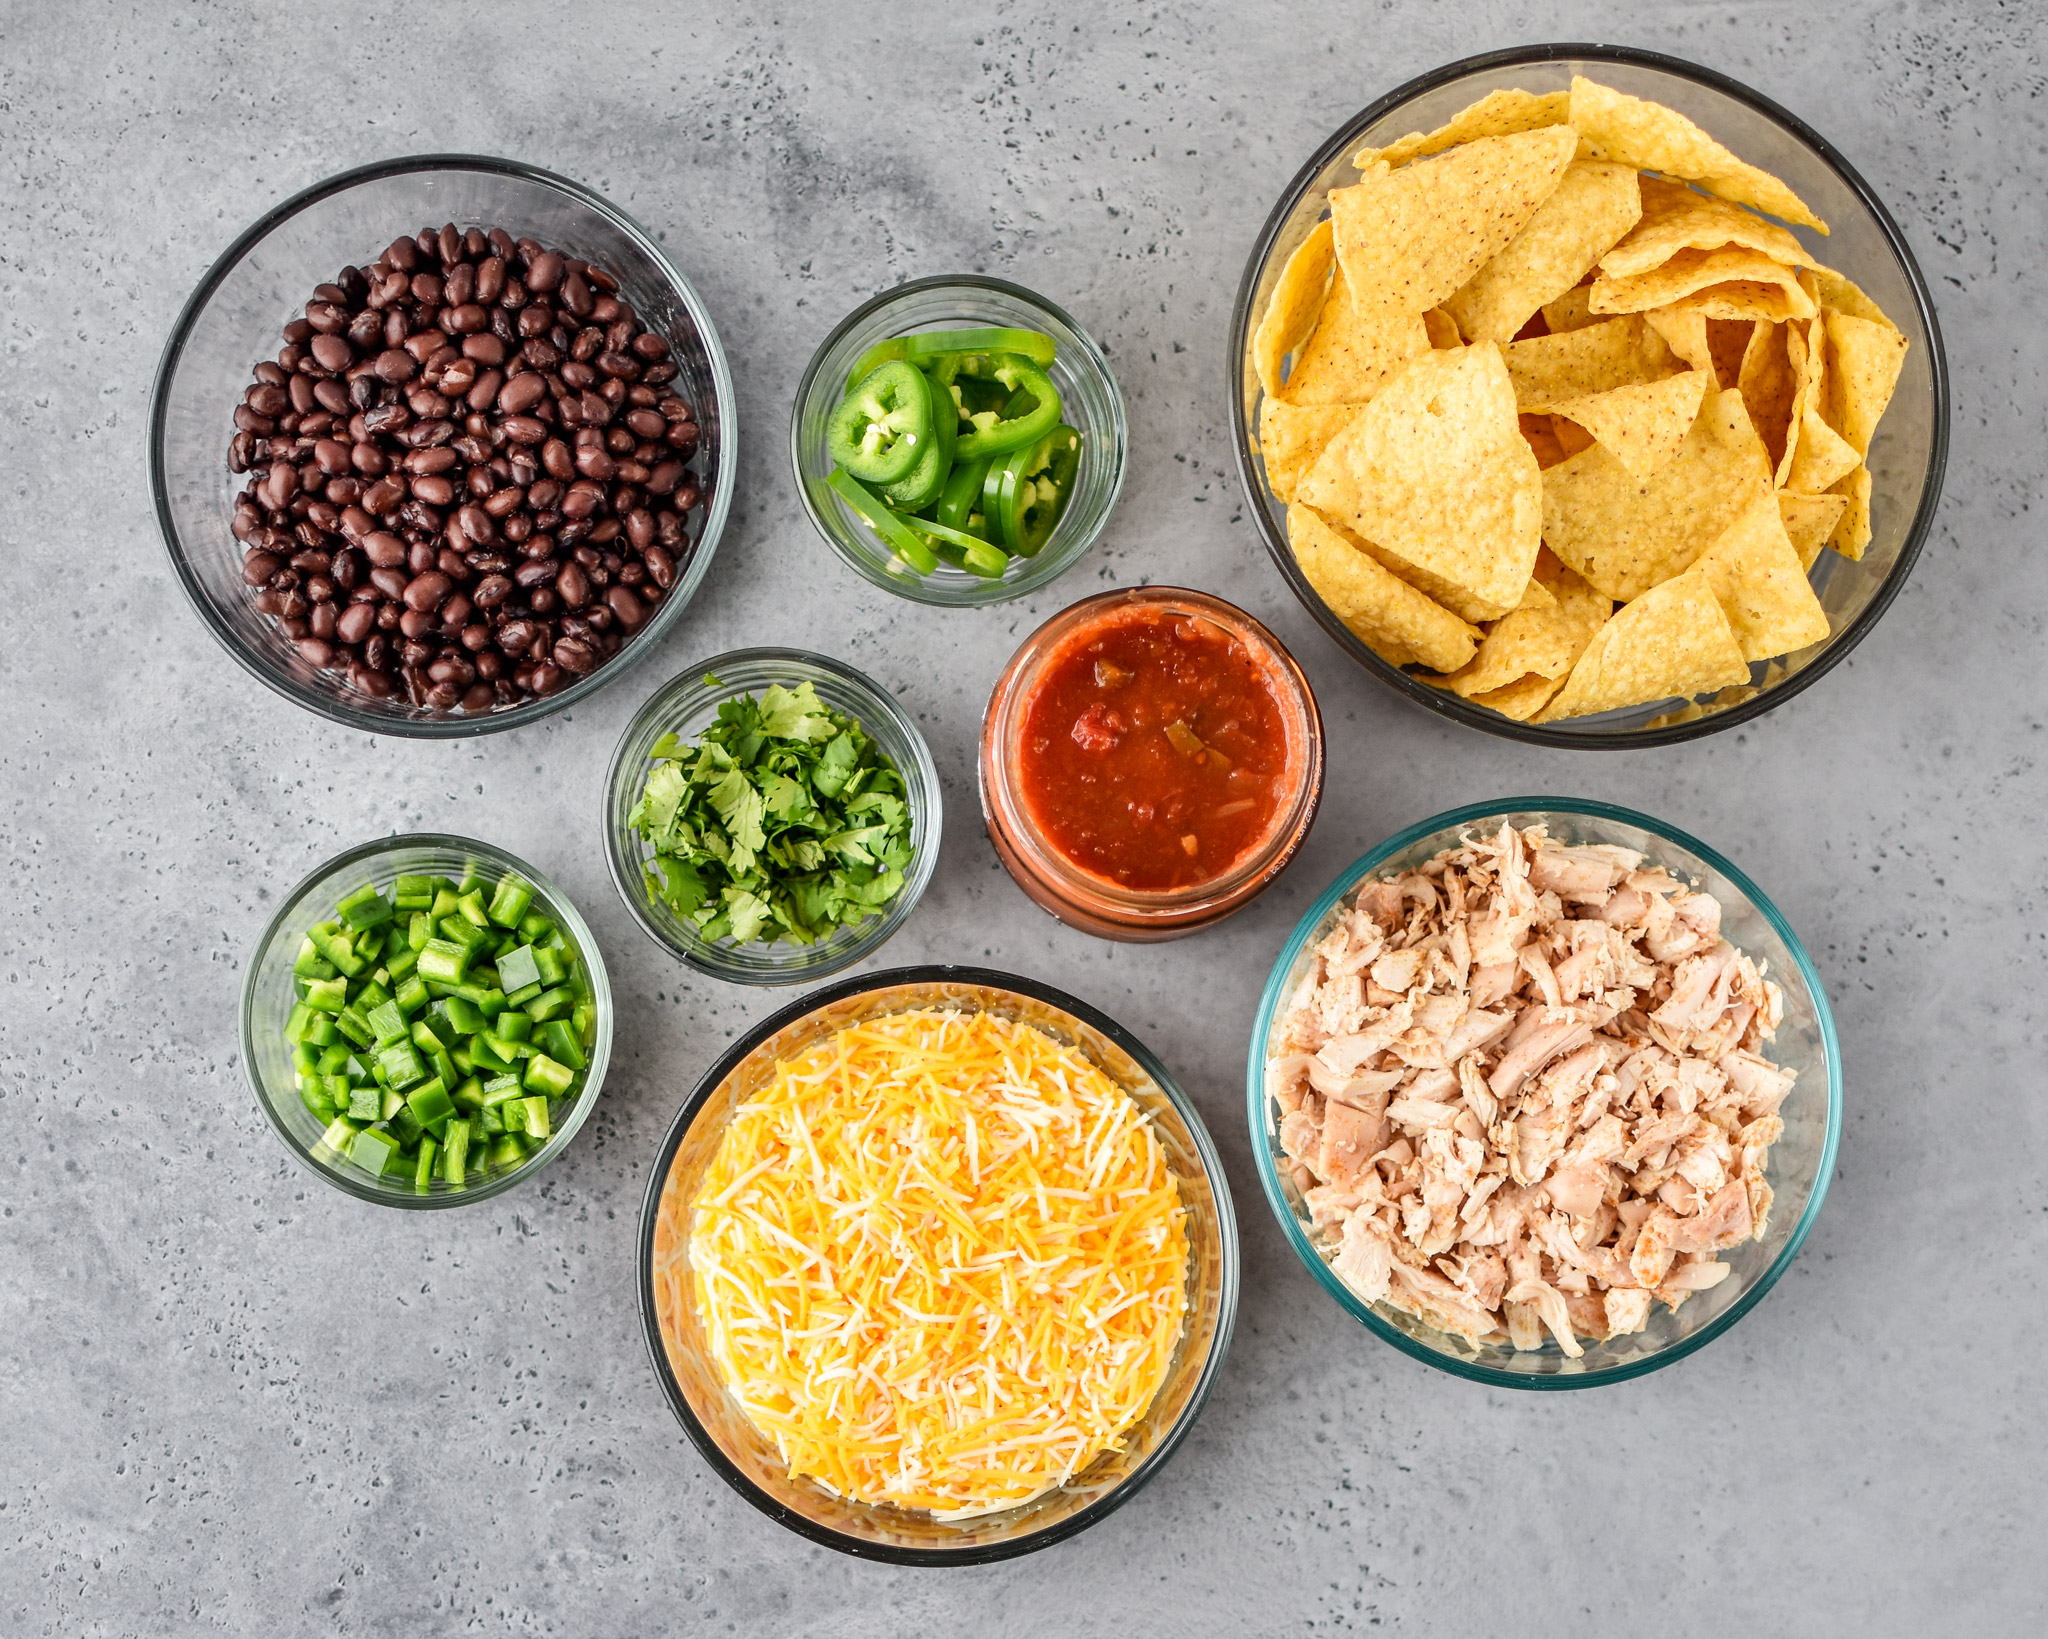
(940, 1261)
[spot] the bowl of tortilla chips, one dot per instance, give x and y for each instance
(1591, 398)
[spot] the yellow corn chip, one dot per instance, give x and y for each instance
(1756, 574)
(1809, 520)
(1571, 311)
(1388, 615)
(1727, 341)
(1442, 329)
(1435, 474)
(1592, 206)
(1768, 386)
(1351, 354)
(1743, 302)
(1832, 290)
(1406, 239)
(1819, 454)
(1291, 436)
(1685, 333)
(1651, 137)
(1643, 426)
(1705, 272)
(1852, 533)
(1676, 218)
(1497, 114)
(1297, 299)
(1673, 640)
(1570, 436)
(1596, 359)
(1536, 641)
(1625, 535)
(1521, 700)
(1864, 360)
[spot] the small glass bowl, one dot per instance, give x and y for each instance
(1800, 1163)
(747, 1460)
(1907, 458)
(1092, 903)
(266, 276)
(688, 704)
(1092, 404)
(268, 995)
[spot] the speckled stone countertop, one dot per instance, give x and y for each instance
(236, 1401)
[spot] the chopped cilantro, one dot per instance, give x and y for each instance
(784, 820)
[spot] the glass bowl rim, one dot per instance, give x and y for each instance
(880, 928)
(1227, 1282)
(601, 1001)
(1440, 701)
(970, 596)
(459, 726)
(1270, 999)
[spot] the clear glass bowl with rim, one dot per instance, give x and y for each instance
(1907, 458)
(268, 996)
(1800, 1162)
(1091, 403)
(688, 704)
(267, 275)
(1094, 904)
(747, 1459)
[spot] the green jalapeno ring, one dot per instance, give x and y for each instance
(1009, 432)
(962, 499)
(880, 428)
(895, 533)
(1034, 345)
(926, 481)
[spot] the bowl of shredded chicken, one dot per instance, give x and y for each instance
(1547, 1094)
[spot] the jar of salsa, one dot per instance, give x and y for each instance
(1150, 760)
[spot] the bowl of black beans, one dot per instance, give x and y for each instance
(442, 445)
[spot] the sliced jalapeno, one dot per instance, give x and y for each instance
(926, 481)
(883, 352)
(1034, 345)
(1031, 495)
(894, 531)
(970, 551)
(882, 426)
(998, 434)
(961, 503)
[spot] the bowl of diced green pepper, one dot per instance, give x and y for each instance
(426, 1021)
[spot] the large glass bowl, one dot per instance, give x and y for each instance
(1907, 457)
(1800, 1162)
(747, 1460)
(266, 276)
(688, 704)
(267, 997)
(1091, 403)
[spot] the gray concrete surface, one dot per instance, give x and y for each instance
(234, 1401)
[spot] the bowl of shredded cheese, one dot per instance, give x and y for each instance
(937, 1266)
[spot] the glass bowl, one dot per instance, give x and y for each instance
(1092, 403)
(1907, 458)
(685, 706)
(747, 1460)
(268, 995)
(1800, 1162)
(266, 276)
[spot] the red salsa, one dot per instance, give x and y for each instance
(1153, 751)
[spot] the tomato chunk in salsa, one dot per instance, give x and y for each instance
(1154, 751)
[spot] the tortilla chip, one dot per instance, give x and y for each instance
(1651, 137)
(1677, 218)
(1852, 533)
(1756, 574)
(1595, 359)
(1349, 356)
(1643, 426)
(1435, 474)
(1673, 640)
(1520, 700)
(1753, 274)
(1809, 520)
(1296, 301)
(1592, 206)
(1743, 302)
(1769, 387)
(1685, 333)
(1388, 615)
(1727, 341)
(1819, 456)
(1832, 290)
(1406, 239)
(1570, 436)
(1441, 328)
(1571, 311)
(1497, 114)
(1291, 436)
(1533, 641)
(1626, 535)
(1542, 440)
(1864, 360)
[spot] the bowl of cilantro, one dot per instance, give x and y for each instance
(771, 816)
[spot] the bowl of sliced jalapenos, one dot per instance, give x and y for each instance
(959, 440)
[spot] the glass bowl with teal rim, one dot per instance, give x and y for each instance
(1799, 1164)
(688, 704)
(271, 991)
(1091, 403)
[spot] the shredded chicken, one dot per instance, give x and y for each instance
(1524, 1092)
